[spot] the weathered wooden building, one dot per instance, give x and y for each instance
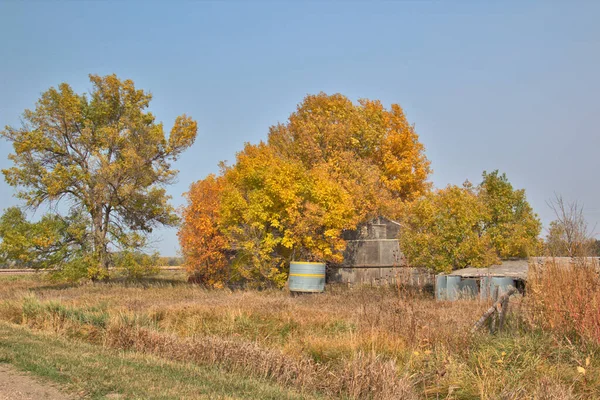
(373, 256)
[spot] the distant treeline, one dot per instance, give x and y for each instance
(170, 261)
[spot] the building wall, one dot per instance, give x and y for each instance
(373, 257)
(374, 244)
(379, 228)
(409, 276)
(373, 253)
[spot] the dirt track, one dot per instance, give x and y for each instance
(17, 385)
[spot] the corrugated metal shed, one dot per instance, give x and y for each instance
(517, 269)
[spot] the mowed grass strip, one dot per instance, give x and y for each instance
(90, 371)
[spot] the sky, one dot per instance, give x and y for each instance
(506, 85)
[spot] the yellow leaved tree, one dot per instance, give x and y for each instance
(469, 226)
(332, 165)
(444, 230)
(106, 158)
(373, 152)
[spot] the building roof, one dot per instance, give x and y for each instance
(517, 269)
(510, 268)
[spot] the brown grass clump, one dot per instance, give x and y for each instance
(364, 376)
(564, 297)
(548, 389)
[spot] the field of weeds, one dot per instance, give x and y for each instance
(381, 343)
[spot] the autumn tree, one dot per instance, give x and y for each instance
(373, 152)
(103, 155)
(204, 246)
(444, 230)
(331, 166)
(512, 225)
(274, 210)
(465, 226)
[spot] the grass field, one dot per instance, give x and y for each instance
(91, 371)
(164, 338)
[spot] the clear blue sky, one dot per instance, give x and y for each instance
(513, 86)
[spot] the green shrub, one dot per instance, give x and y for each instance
(135, 265)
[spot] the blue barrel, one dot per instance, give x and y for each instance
(469, 288)
(307, 276)
(502, 283)
(453, 287)
(440, 287)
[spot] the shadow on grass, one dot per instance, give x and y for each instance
(55, 286)
(146, 283)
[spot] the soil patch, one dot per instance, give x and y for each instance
(17, 385)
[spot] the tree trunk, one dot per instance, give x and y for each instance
(100, 248)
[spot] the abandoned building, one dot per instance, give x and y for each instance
(373, 256)
(492, 282)
(483, 283)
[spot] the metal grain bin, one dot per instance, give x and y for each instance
(453, 287)
(307, 276)
(440, 287)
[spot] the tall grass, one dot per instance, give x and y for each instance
(564, 297)
(362, 376)
(379, 343)
(92, 372)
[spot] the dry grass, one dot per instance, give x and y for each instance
(565, 298)
(361, 343)
(91, 372)
(364, 376)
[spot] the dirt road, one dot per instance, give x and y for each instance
(17, 385)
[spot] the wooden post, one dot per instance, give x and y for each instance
(503, 311)
(497, 306)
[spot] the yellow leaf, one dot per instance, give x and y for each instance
(581, 370)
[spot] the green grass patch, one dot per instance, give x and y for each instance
(97, 372)
(4, 277)
(33, 308)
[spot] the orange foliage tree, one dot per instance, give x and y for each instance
(373, 151)
(331, 166)
(204, 246)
